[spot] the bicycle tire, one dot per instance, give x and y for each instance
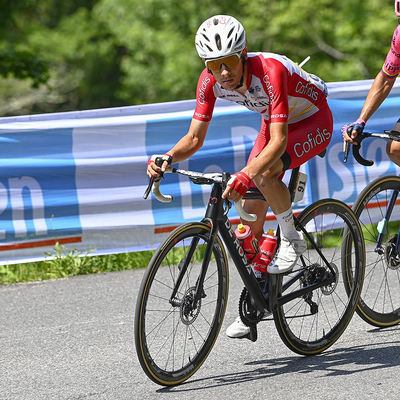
(310, 324)
(173, 340)
(379, 303)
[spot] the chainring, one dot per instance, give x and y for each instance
(249, 315)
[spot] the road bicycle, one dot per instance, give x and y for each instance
(375, 207)
(183, 295)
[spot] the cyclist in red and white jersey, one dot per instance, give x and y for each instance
(296, 125)
(380, 89)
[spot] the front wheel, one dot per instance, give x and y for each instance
(379, 303)
(173, 333)
(313, 321)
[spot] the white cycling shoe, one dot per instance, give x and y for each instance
(288, 254)
(238, 330)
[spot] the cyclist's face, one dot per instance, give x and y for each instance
(228, 77)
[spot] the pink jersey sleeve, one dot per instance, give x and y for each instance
(276, 82)
(205, 97)
(391, 67)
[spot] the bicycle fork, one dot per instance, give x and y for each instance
(382, 227)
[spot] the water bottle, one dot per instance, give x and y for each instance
(268, 245)
(248, 242)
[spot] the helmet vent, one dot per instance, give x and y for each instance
(205, 37)
(230, 32)
(218, 41)
(215, 21)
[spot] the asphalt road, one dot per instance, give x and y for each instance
(73, 339)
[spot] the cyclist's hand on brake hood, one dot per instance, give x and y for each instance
(357, 127)
(155, 171)
(237, 187)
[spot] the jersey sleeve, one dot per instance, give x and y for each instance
(276, 82)
(391, 67)
(205, 97)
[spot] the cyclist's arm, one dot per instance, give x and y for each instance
(267, 157)
(278, 126)
(271, 153)
(191, 142)
(380, 89)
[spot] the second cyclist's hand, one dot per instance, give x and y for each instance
(357, 127)
(153, 170)
(237, 187)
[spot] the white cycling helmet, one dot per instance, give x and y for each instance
(397, 7)
(220, 36)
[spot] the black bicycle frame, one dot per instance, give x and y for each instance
(216, 217)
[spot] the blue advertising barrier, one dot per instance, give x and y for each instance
(78, 178)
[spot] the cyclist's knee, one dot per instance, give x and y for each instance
(271, 176)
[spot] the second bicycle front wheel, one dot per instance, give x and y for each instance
(310, 323)
(379, 303)
(173, 333)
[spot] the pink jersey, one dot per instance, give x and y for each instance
(391, 67)
(278, 89)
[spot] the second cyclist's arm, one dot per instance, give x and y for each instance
(380, 89)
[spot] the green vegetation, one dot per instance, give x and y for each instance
(71, 264)
(84, 54)
(371, 233)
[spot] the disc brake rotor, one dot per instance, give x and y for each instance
(188, 312)
(392, 260)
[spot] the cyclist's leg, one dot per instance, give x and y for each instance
(260, 208)
(306, 139)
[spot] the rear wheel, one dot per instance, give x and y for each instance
(311, 323)
(174, 334)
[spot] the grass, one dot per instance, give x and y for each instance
(70, 264)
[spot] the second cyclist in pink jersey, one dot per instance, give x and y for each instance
(296, 125)
(380, 89)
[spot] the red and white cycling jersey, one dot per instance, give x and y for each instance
(391, 67)
(277, 88)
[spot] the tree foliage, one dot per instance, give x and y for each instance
(82, 54)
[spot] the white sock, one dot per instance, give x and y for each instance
(286, 223)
